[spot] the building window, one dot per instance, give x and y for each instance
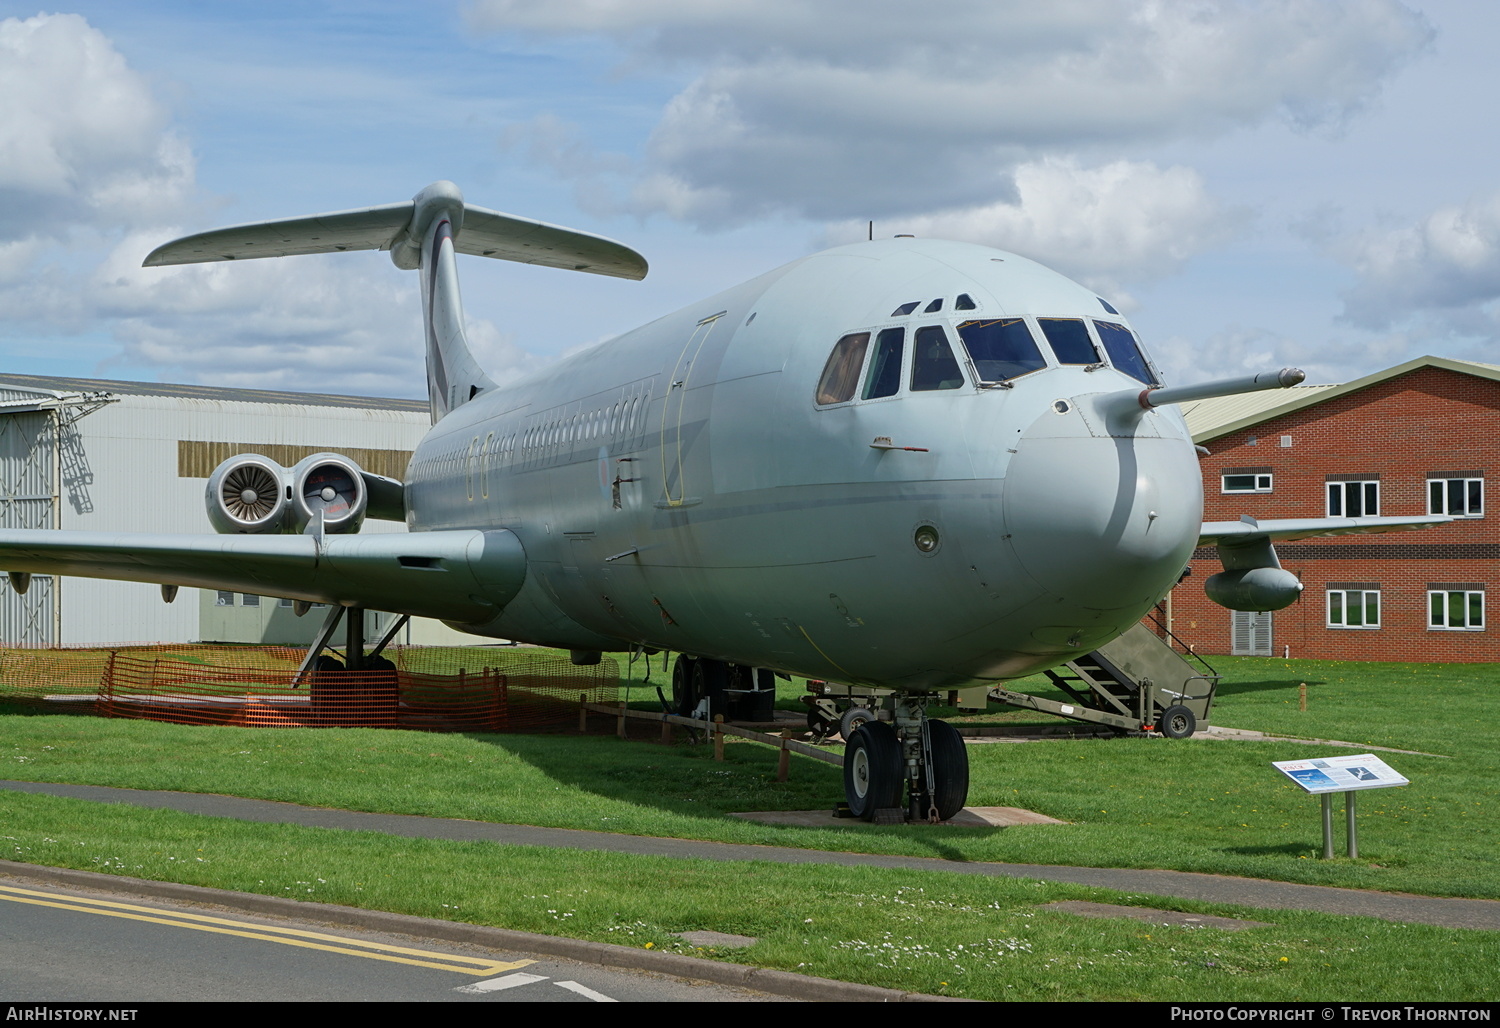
(225, 599)
(1354, 499)
(1460, 497)
(1455, 610)
(1246, 480)
(249, 600)
(1353, 608)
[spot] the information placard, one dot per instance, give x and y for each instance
(1340, 774)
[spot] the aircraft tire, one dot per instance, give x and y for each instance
(851, 719)
(872, 770)
(710, 678)
(950, 768)
(682, 686)
(1177, 722)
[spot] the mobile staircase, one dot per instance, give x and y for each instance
(1137, 683)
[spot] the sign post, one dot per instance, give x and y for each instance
(1327, 775)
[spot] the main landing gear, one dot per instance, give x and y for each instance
(925, 756)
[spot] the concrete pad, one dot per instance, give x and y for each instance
(723, 940)
(1163, 917)
(969, 817)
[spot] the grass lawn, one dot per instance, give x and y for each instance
(1192, 805)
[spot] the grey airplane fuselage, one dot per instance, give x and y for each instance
(681, 488)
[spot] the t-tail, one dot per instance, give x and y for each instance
(423, 235)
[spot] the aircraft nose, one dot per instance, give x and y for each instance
(1103, 514)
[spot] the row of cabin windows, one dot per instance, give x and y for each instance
(1448, 610)
(999, 349)
(1458, 497)
(622, 420)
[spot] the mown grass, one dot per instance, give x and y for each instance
(937, 933)
(1189, 805)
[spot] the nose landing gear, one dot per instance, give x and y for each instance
(925, 755)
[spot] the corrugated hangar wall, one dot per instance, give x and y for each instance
(139, 464)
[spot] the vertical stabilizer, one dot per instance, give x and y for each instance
(453, 375)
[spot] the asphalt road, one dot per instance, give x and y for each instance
(72, 945)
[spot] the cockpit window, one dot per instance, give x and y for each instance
(1125, 351)
(841, 373)
(1070, 340)
(934, 306)
(933, 365)
(1106, 305)
(965, 302)
(1001, 349)
(884, 376)
(905, 309)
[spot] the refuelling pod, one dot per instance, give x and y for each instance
(332, 485)
(247, 496)
(1258, 589)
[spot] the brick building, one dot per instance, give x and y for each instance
(1415, 439)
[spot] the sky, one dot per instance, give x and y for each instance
(1255, 183)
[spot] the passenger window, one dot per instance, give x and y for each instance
(841, 373)
(1125, 351)
(1070, 340)
(884, 376)
(933, 366)
(1001, 349)
(905, 309)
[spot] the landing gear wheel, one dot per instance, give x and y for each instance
(872, 770)
(852, 719)
(950, 768)
(682, 686)
(1176, 722)
(710, 678)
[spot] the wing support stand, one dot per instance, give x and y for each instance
(330, 625)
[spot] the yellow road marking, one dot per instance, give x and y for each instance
(268, 933)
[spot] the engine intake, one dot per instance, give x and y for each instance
(331, 485)
(247, 496)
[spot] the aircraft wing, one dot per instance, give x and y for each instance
(1248, 530)
(458, 576)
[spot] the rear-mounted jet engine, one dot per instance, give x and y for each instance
(253, 495)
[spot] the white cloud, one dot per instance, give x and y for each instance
(1126, 222)
(851, 110)
(1446, 266)
(336, 324)
(1240, 351)
(83, 143)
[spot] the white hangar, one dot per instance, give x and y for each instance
(103, 456)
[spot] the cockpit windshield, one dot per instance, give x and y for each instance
(1125, 351)
(1001, 348)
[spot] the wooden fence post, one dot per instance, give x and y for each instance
(583, 712)
(718, 736)
(784, 759)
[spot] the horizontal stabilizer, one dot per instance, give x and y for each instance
(483, 233)
(1248, 530)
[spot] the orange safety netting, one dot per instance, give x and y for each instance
(450, 689)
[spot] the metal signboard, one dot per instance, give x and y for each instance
(1340, 774)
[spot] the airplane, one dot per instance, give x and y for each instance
(911, 464)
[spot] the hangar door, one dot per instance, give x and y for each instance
(28, 499)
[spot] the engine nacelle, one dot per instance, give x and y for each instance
(332, 485)
(253, 495)
(247, 496)
(1257, 589)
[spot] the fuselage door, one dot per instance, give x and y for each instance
(673, 408)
